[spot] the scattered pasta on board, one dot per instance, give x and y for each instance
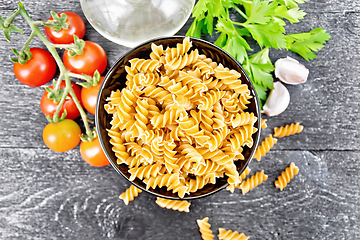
(265, 147)
(177, 205)
(231, 235)
(204, 228)
(288, 130)
(286, 176)
(182, 121)
(253, 181)
(263, 123)
(130, 194)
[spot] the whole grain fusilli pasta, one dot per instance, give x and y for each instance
(204, 228)
(231, 235)
(288, 130)
(286, 176)
(130, 193)
(253, 181)
(177, 205)
(263, 123)
(242, 176)
(181, 121)
(265, 147)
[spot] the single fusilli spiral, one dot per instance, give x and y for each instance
(144, 65)
(286, 176)
(217, 156)
(158, 93)
(171, 181)
(204, 228)
(231, 235)
(242, 176)
(263, 123)
(199, 182)
(209, 99)
(288, 130)
(265, 147)
(146, 171)
(240, 119)
(130, 193)
(232, 173)
(181, 61)
(157, 51)
(191, 82)
(239, 136)
(169, 156)
(177, 205)
(204, 68)
(244, 100)
(253, 181)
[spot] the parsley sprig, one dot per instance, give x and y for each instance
(262, 20)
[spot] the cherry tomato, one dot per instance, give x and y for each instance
(93, 154)
(93, 58)
(38, 70)
(48, 107)
(89, 96)
(66, 36)
(62, 136)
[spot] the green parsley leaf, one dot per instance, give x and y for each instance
(263, 21)
(305, 44)
(268, 35)
(259, 12)
(259, 67)
(291, 3)
(200, 9)
(293, 15)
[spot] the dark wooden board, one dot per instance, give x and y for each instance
(47, 195)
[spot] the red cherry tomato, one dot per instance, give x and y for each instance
(48, 107)
(62, 136)
(66, 36)
(93, 154)
(89, 96)
(93, 58)
(39, 70)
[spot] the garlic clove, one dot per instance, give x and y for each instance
(290, 71)
(277, 101)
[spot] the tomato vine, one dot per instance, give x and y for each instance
(56, 94)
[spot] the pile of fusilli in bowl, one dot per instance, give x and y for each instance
(182, 121)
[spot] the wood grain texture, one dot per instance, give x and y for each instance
(47, 195)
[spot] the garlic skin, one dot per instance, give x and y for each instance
(277, 101)
(290, 71)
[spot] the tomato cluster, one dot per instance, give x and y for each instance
(41, 68)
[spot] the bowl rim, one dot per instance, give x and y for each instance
(109, 73)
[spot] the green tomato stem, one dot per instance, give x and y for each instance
(64, 46)
(83, 115)
(37, 22)
(29, 40)
(63, 71)
(62, 100)
(9, 20)
(60, 78)
(79, 76)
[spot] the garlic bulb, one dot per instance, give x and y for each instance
(277, 101)
(290, 71)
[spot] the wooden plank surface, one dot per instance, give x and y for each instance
(47, 195)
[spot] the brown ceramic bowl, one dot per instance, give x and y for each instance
(115, 79)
